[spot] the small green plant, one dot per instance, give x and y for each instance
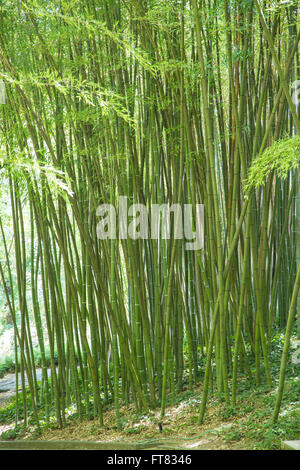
(13, 433)
(228, 412)
(233, 435)
(134, 430)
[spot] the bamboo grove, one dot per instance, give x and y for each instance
(162, 102)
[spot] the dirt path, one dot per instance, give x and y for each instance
(8, 382)
(8, 385)
(211, 444)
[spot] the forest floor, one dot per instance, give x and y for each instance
(247, 426)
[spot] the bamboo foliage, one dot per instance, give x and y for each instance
(163, 104)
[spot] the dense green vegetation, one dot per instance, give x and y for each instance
(184, 101)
